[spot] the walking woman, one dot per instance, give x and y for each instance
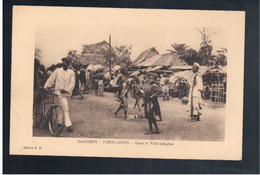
(150, 103)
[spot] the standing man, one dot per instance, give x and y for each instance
(196, 88)
(64, 80)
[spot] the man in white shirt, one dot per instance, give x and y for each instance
(196, 88)
(64, 80)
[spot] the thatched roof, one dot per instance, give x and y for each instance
(169, 59)
(95, 48)
(94, 53)
(145, 55)
(150, 61)
(91, 58)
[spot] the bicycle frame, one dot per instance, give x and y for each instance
(49, 110)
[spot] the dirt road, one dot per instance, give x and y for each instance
(93, 117)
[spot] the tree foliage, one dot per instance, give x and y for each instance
(178, 48)
(190, 56)
(123, 55)
(39, 70)
(206, 48)
(119, 56)
(221, 58)
(204, 55)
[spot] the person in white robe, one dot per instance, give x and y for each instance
(196, 87)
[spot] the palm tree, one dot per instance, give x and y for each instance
(178, 48)
(205, 36)
(205, 47)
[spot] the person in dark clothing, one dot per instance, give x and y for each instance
(82, 79)
(156, 103)
(151, 104)
(76, 90)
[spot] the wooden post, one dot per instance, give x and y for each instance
(110, 56)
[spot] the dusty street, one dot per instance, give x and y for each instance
(93, 117)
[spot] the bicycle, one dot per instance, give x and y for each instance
(52, 117)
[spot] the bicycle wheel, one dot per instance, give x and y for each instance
(56, 120)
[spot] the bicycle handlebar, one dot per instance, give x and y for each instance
(51, 90)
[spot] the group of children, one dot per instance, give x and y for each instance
(145, 88)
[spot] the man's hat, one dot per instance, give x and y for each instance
(66, 60)
(196, 65)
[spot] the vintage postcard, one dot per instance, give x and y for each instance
(133, 83)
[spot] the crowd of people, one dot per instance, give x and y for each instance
(144, 87)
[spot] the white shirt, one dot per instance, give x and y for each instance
(63, 79)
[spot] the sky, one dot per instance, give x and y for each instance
(58, 30)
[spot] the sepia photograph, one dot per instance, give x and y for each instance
(108, 93)
(144, 83)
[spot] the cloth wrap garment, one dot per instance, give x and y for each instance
(195, 95)
(151, 105)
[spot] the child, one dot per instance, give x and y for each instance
(136, 92)
(101, 86)
(123, 97)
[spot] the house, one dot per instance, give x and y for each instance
(145, 55)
